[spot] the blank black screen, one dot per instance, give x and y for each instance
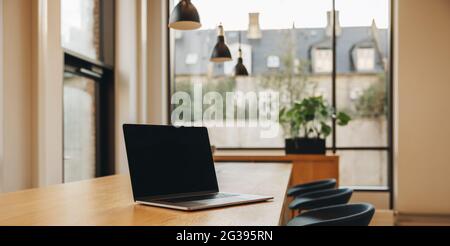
(166, 160)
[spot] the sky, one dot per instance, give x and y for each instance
(281, 14)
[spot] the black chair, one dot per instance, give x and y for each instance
(310, 187)
(339, 215)
(322, 198)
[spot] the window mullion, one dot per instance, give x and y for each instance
(333, 78)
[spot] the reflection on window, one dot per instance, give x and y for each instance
(80, 27)
(79, 128)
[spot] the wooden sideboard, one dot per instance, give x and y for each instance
(306, 168)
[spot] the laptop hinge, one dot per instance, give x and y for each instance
(192, 194)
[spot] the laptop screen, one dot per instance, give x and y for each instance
(166, 160)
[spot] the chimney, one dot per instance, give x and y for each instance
(376, 38)
(254, 30)
(330, 24)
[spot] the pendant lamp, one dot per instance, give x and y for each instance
(184, 17)
(240, 69)
(221, 53)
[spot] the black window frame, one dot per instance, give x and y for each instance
(389, 148)
(102, 72)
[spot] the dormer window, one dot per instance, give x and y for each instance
(191, 59)
(322, 60)
(365, 59)
(273, 62)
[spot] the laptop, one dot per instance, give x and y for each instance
(173, 167)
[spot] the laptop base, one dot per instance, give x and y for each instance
(235, 199)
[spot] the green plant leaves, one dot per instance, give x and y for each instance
(309, 117)
(325, 129)
(343, 119)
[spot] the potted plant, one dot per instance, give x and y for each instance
(307, 127)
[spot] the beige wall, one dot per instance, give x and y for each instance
(47, 93)
(31, 86)
(422, 81)
(31, 108)
(379, 199)
(141, 72)
(16, 95)
(157, 58)
(1, 97)
(126, 74)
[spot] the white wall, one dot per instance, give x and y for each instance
(422, 81)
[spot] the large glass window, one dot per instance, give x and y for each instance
(80, 126)
(278, 59)
(80, 27)
(362, 86)
(87, 32)
(295, 52)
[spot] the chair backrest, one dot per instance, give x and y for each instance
(339, 215)
(313, 186)
(323, 198)
(326, 193)
(318, 182)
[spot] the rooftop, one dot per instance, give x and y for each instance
(193, 49)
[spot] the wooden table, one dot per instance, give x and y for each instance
(306, 168)
(108, 201)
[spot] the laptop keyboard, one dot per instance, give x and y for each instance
(199, 198)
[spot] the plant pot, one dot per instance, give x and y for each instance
(311, 146)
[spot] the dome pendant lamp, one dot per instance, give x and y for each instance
(221, 53)
(184, 17)
(240, 69)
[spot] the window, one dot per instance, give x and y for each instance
(365, 144)
(87, 33)
(80, 27)
(274, 52)
(273, 62)
(365, 59)
(80, 120)
(294, 55)
(191, 59)
(323, 60)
